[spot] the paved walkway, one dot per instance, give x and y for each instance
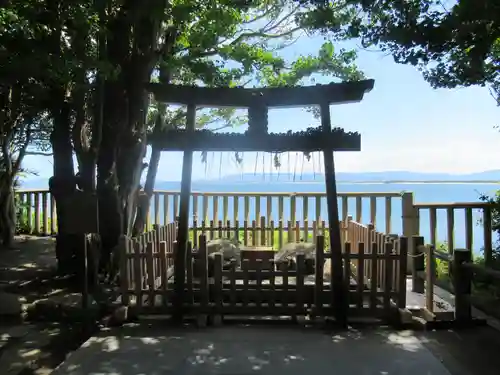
(240, 350)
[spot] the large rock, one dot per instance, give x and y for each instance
(291, 250)
(230, 251)
(287, 256)
(11, 304)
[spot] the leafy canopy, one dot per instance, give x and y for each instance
(453, 43)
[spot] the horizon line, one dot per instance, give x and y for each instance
(374, 182)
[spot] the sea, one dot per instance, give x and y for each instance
(423, 193)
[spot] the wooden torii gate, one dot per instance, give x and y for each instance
(257, 138)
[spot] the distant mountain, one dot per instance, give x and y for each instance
(388, 176)
(35, 183)
(384, 177)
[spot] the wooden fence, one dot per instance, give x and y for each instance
(467, 209)
(146, 260)
(258, 233)
(285, 212)
(373, 273)
(462, 272)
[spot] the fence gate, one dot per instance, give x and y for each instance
(374, 276)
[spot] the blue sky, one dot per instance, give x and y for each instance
(404, 125)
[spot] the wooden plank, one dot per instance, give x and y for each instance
(150, 271)
(360, 273)
(300, 295)
(138, 274)
(203, 259)
(256, 296)
(217, 295)
(276, 311)
(389, 264)
(319, 273)
(239, 97)
(338, 297)
(163, 271)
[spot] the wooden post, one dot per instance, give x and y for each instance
(183, 228)
(403, 263)
(410, 221)
(417, 264)
(339, 290)
(319, 272)
(462, 280)
(430, 276)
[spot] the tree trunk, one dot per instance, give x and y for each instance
(110, 209)
(144, 201)
(119, 169)
(132, 44)
(7, 215)
(62, 185)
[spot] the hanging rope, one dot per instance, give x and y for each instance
(220, 166)
(314, 167)
(204, 161)
(271, 168)
(277, 164)
(302, 168)
(289, 166)
(239, 160)
(295, 167)
(256, 161)
(213, 161)
(264, 166)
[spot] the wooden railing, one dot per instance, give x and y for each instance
(388, 212)
(463, 272)
(377, 208)
(473, 213)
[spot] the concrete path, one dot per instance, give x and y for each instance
(243, 350)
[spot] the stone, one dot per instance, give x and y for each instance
(11, 304)
(201, 321)
(120, 315)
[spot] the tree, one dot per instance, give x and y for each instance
(24, 125)
(96, 58)
(453, 45)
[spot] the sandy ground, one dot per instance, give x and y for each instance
(31, 257)
(26, 347)
(144, 349)
(235, 350)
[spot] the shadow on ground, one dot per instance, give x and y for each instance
(27, 273)
(246, 350)
(31, 257)
(467, 351)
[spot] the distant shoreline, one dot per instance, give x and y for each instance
(386, 182)
(423, 182)
(383, 182)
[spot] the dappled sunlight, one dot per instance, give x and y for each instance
(405, 340)
(154, 350)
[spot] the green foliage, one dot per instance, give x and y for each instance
(454, 45)
(495, 224)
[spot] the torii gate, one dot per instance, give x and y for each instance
(257, 138)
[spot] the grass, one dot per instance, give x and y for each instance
(274, 241)
(485, 290)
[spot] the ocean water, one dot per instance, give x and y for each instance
(423, 193)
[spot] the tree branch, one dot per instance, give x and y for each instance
(22, 150)
(38, 153)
